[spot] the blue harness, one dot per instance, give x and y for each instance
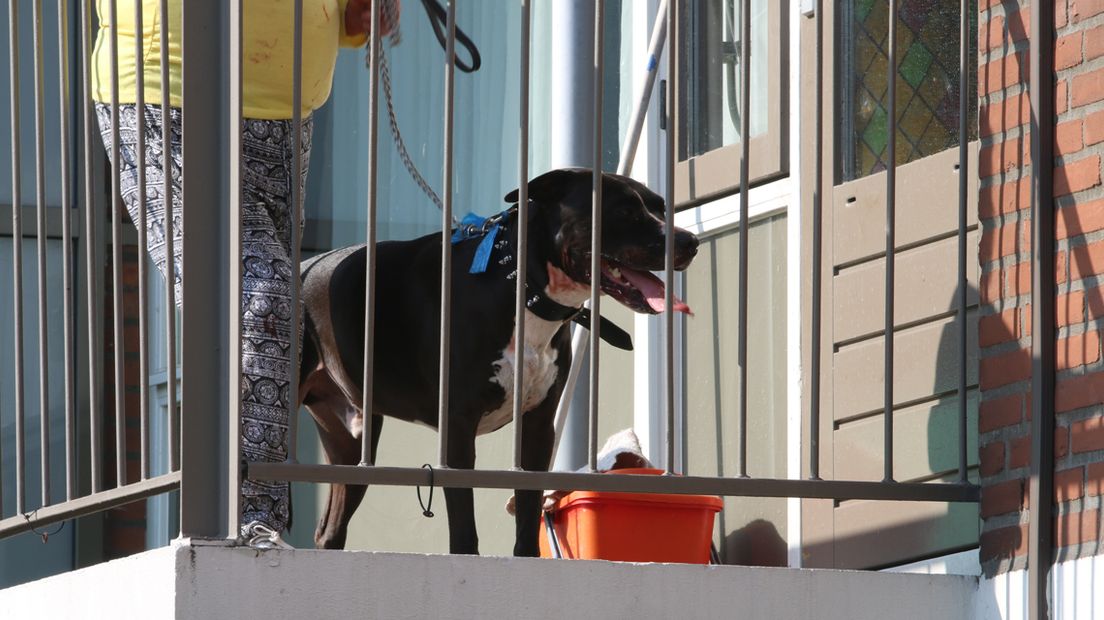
(473, 226)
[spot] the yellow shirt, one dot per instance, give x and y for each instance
(267, 36)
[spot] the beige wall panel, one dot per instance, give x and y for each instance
(925, 442)
(927, 206)
(925, 362)
(926, 287)
(615, 396)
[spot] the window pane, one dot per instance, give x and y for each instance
(709, 52)
(927, 81)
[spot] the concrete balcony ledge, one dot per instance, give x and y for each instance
(204, 581)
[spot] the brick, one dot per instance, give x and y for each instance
(1080, 10)
(994, 200)
(1094, 43)
(1001, 157)
(1000, 413)
(991, 458)
(1069, 484)
(1067, 51)
(1087, 88)
(1088, 435)
(1094, 126)
(1070, 309)
(1061, 97)
(1061, 15)
(990, 286)
(1094, 479)
(1079, 350)
(1002, 498)
(1075, 528)
(1067, 138)
(1018, 277)
(1075, 393)
(1000, 116)
(1086, 260)
(1079, 219)
(998, 328)
(1061, 442)
(1019, 453)
(1006, 542)
(1077, 176)
(1002, 73)
(1005, 368)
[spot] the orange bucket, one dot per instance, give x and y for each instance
(633, 527)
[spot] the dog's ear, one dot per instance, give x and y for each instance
(552, 185)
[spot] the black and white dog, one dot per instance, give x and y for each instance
(483, 348)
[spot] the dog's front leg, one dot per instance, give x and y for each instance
(460, 503)
(538, 436)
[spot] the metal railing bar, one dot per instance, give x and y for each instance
(1040, 546)
(745, 155)
(170, 244)
(963, 186)
(535, 480)
(446, 245)
(91, 268)
(89, 504)
(233, 359)
(17, 257)
(296, 231)
(522, 234)
(817, 250)
(375, 43)
(117, 256)
(891, 231)
(596, 242)
(143, 246)
(668, 242)
(40, 218)
(66, 251)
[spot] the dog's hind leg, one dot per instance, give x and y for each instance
(344, 499)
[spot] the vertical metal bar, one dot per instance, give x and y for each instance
(296, 232)
(522, 233)
(640, 112)
(669, 219)
(66, 251)
(596, 243)
(745, 147)
(17, 256)
(233, 286)
(143, 244)
(891, 230)
(817, 263)
(963, 186)
(95, 413)
(1040, 550)
(209, 147)
(117, 254)
(446, 245)
(170, 242)
(40, 238)
(375, 43)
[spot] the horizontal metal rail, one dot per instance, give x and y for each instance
(627, 483)
(89, 504)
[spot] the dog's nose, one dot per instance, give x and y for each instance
(688, 245)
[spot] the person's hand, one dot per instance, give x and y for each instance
(358, 17)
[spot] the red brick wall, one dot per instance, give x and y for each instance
(1005, 328)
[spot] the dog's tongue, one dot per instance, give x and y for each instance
(653, 290)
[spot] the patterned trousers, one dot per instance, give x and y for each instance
(267, 272)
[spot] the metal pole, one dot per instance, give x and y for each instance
(596, 242)
(963, 186)
(67, 251)
(143, 245)
(1040, 547)
(745, 147)
(40, 238)
(95, 413)
(366, 457)
(296, 232)
(170, 244)
(446, 245)
(669, 241)
(17, 257)
(817, 258)
(233, 287)
(117, 255)
(891, 228)
(522, 234)
(640, 112)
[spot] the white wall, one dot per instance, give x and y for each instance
(1077, 588)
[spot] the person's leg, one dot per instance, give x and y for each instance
(155, 196)
(267, 277)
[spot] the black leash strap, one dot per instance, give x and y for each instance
(438, 18)
(426, 509)
(550, 532)
(42, 533)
